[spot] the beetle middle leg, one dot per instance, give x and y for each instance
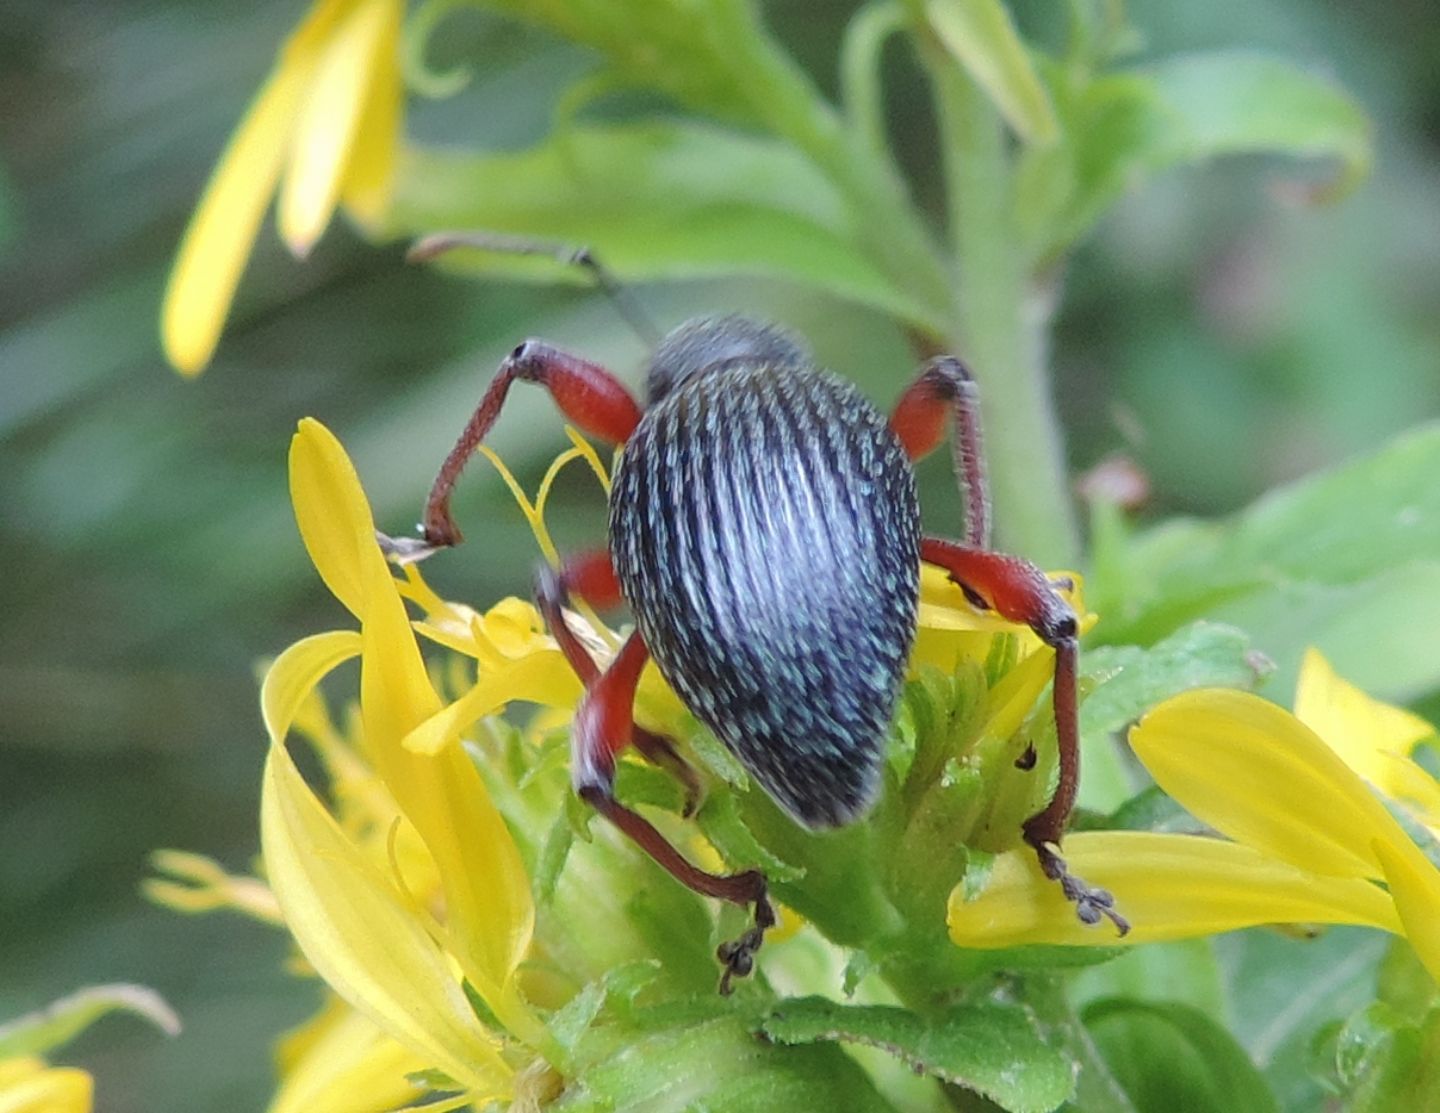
(591, 576)
(1015, 589)
(604, 724)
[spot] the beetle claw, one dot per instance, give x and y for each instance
(1092, 904)
(738, 955)
(405, 550)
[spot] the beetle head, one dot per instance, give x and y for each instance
(707, 343)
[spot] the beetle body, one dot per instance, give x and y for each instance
(765, 533)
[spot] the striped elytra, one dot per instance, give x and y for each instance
(765, 531)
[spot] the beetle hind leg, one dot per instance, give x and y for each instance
(1020, 592)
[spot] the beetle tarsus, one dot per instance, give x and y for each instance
(407, 550)
(1092, 904)
(738, 955)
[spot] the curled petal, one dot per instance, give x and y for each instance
(295, 673)
(545, 678)
(1167, 886)
(1256, 773)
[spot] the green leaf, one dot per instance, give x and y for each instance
(1388, 1064)
(1172, 1056)
(1346, 559)
(1183, 972)
(981, 36)
(989, 1048)
(57, 1024)
(720, 819)
(1117, 128)
(1239, 102)
(1129, 680)
(655, 200)
(714, 1066)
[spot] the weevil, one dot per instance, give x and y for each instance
(765, 533)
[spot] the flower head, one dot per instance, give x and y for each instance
(324, 128)
(1313, 842)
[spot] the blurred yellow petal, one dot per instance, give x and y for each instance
(29, 1086)
(1415, 887)
(1374, 738)
(369, 179)
(1256, 773)
(1170, 887)
(340, 1062)
(293, 676)
(324, 132)
(332, 513)
(359, 933)
(222, 231)
(194, 883)
(544, 678)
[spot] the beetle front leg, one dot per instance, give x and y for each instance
(602, 727)
(586, 393)
(591, 576)
(1020, 592)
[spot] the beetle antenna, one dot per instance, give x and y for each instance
(440, 243)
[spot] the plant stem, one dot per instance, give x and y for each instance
(1003, 320)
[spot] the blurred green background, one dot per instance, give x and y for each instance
(1225, 337)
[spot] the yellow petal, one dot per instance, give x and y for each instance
(332, 513)
(358, 932)
(491, 913)
(222, 231)
(325, 128)
(218, 240)
(370, 177)
(1415, 886)
(1256, 773)
(545, 678)
(1167, 886)
(28, 1086)
(1374, 738)
(341, 1063)
(295, 673)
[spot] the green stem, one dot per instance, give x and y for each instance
(887, 223)
(1003, 320)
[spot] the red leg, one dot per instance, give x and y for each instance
(1020, 592)
(943, 387)
(602, 727)
(591, 576)
(585, 392)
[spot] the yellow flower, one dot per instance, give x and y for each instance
(328, 118)
(1312, 839)
(412, 894)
